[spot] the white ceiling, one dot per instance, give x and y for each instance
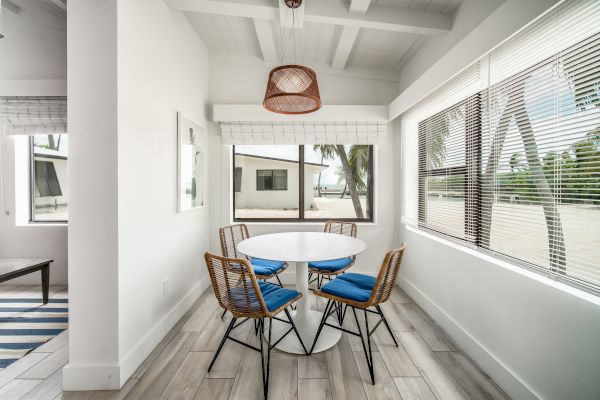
(379, 49)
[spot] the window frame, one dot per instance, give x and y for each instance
(32, 185)
(471, 171)
(301, 218)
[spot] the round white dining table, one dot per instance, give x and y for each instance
(301, 248)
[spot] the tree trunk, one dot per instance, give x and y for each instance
(556, 240)
(51, 142)
(319, 182)
(556, 243)
(344, 191)
(350, 181)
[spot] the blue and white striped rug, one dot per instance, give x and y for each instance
(26, 324)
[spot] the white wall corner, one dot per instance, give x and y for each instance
(483, 357)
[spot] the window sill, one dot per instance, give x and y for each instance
(523, 271)
(43, 224)
(282, 223)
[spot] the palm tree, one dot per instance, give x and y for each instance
(350, 173)
(515, 162)
(327, 153)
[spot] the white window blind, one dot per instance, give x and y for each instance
(282, 133)
(509, 156)
(33, 115)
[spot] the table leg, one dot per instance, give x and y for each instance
(45, 282)
(302, 286)
(306, 320)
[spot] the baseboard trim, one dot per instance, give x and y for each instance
(113, 377)
(91, 377)
(507, 379)
(131, 361)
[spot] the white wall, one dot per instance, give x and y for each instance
(535, 337)
(163, 69)
(93, 208)
(233, 84)
(33, 61)
(469, 14)
(126, 234)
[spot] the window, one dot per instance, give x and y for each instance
(303, 183)
(271, 179)
(49, 184)
(448, 170)
(515, 168)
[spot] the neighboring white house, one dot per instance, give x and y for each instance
(272, 183)
(51, 179)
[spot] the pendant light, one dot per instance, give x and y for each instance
(292, 88)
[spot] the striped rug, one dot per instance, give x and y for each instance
(26, 324)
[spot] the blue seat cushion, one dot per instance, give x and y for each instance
(357, 287)
(274, 296)
(361, 280)
(331, 265)
(266, 267)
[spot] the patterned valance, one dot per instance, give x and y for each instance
(33, 115)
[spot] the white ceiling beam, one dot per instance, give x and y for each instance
(344, 47)
(327, 12)
(348, 36)
(359, 6)
(62, 4)
(10, 6)
(262, 9)
(266, 39)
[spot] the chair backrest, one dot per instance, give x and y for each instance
(235, 286)
(341, 227)
(230, 237)
(388, 275)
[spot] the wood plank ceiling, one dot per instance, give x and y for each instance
(375, 36)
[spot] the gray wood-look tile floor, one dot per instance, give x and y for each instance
(426, 364)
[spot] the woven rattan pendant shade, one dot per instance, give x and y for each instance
(292, 89)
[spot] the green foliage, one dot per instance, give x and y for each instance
(573, 175)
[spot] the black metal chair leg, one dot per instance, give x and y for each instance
(368, 354)
(222, 342)
(321, 324)
(224, 312)
(287, 313)
(278, 280)
(266, 378)
(380, 311)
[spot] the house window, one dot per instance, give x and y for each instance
(515, 169)
(303, 183)
(271, 179)
(49, 182)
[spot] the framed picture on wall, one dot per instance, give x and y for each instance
(191, 148)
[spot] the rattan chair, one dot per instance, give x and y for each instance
(238, 290)
(329, 268)
(362, 292)
(264, 269)
(230, 236)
